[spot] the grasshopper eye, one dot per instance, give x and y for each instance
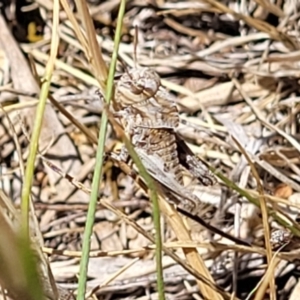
(136, 88)
(145, 85)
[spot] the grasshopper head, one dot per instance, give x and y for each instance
(137, 86)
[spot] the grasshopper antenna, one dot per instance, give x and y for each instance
(135, 43)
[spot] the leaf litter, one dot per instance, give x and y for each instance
(234, 70)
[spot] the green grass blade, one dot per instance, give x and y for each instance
(18, 263)
(99, 162)
(38, 122)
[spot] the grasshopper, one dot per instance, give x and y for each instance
(150, 118)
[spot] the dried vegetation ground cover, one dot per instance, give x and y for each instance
(234, 68)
